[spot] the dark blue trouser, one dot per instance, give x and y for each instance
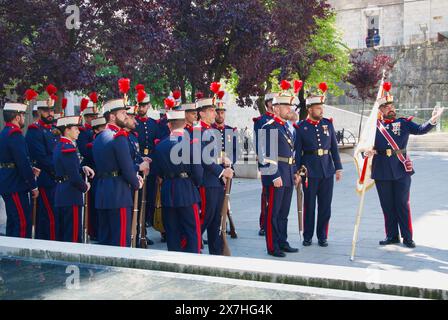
(18, 214)
(212, 199)
(114, 227)
(394, 199)
(322, 190)
(276, 217)
(151, 188)
(46, 223)
(182, 227)
(262, 208)
(69, 222)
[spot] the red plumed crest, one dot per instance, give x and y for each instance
(51, 89)
(285, 85)
(177, 94)
(387, 86)
(323, 87)
(64, 103)
(30, 94)
(169, 103)
(94, 97)
(84, 103)
(124, 84)
(298, 84)
(221, 94)
(141, 95)
(199, 95)
(54, 97)
(214, 87)
(139, 87)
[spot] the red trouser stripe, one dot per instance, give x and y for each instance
(49, 212)
(269, 219)
(409, 215)
(22, 219)
(203, 204)
(263, 207)
(75, 223)
(123, 227)
(198, 226)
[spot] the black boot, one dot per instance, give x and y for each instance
(307, 243)
(288, 248)
(409, 243)
(261, 233)
(323, 243)
(389, 241)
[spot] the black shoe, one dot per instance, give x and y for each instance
(288, 248)
(307, 243)
(278, 254)
(205, 241)
(149, 242)
(388, 241)
(323, 243)
(261, 233)
(409, 243)
(163, 239)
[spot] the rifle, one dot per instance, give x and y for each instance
(303, 172)
(142, 222)
(134, 221)
(225, 207)
(233, 233)
(86, 215)
(33, 219)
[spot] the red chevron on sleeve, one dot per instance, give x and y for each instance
(70, 150)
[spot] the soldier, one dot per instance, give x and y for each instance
(71, 185)
(179, 192)
(41, 140)
(258, 123)
(228, 134)
(17, 176)
(117, 178)
(141, 164)
(148, 132)
(278, 176)
(191, 117)
(164, 130)
(215, 175)
(392, 169)
(317, 152)
(86, 135)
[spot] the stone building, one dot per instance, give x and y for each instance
(391, 22)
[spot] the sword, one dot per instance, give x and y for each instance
(86, 214)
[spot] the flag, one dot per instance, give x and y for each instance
(367, 142)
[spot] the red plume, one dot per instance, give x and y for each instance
(176, 94)
(30, 94)
(64, 103)
(214, 87)
(323, 87)
(94, 97)
(298, 84)
(139, 87)
(51, 90)
(221, 94)
(285, 85)
(124, 84)
(169, 103)
(84, 103)
(54, 97)
(141, 95)
(387, 86)
(199, 95)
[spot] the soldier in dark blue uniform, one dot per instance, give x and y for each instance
(164, 130)
(17, 176)
(148, 133)
(117, 178)
(179, 192)
(71, 185)
(277, 170)
(228, 134)
(140, 164)
(212, 186)
(392, 169)
(317, 151)
(86, 135)
(41, 140)
(258, 123)
(191, 117)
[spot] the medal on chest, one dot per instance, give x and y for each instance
(396, 128)
(325, 128)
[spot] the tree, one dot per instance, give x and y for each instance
(364, 77)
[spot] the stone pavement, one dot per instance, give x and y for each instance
(429, 206)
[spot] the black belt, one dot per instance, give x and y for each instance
(112, 174)
(318, 152)
(7, 165)
(182, 175)
(390, 152)
(62, 179)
